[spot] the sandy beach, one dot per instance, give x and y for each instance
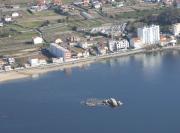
(31, 72)
(11, 76)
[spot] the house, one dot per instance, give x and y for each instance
(163, 40)
(27, 65)
(2, 63)
(85, 2)
(167, 40)
(168, 2)
(1, 23)
(102, 50)
(33, 62)
(37, 40)
(85, 44)
(57, 2)
(58, 41)
(110, 1)
(8, 19)
(11, 60)
(64, 9)
(38, 7)
(118, 4)
(136, 43)
(73, 39)
(37, 62)
(111, 45)
(79, 52)
(71, 44)
(7, 68)
(15, 14)
(42, 62)
(41, 2)
(83, 54)
(57, 60)
(96, 4)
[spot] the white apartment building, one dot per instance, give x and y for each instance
(59, 51)
(118, 45)
(122, 44)
(149, 35)
(176, 29)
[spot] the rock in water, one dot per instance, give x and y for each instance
(113, 102)
(96, 102)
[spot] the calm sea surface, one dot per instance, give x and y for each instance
(147, 84)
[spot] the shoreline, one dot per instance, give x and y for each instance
(33, 71)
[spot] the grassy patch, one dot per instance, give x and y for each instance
(16, 27)
(45, 13)
(25, 36)
(178, 41)
(86, 23)
(138, 14)
(33, 24)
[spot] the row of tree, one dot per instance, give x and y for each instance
(167, 17)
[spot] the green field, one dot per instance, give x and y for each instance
(31, 25)
(86, 23)
(25, 1)
(25, 36)
(139, 13)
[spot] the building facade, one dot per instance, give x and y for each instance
(136, 43)
(168, 2)
(37, 40)
(176, 29)
(85, 2)
(59, 51)
(118, 45)
(122, 44)
(149, 35)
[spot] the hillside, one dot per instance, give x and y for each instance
(15, 1)
(24, 1)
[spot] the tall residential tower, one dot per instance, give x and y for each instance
(149, 35)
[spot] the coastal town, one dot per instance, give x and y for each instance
(40, 34)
